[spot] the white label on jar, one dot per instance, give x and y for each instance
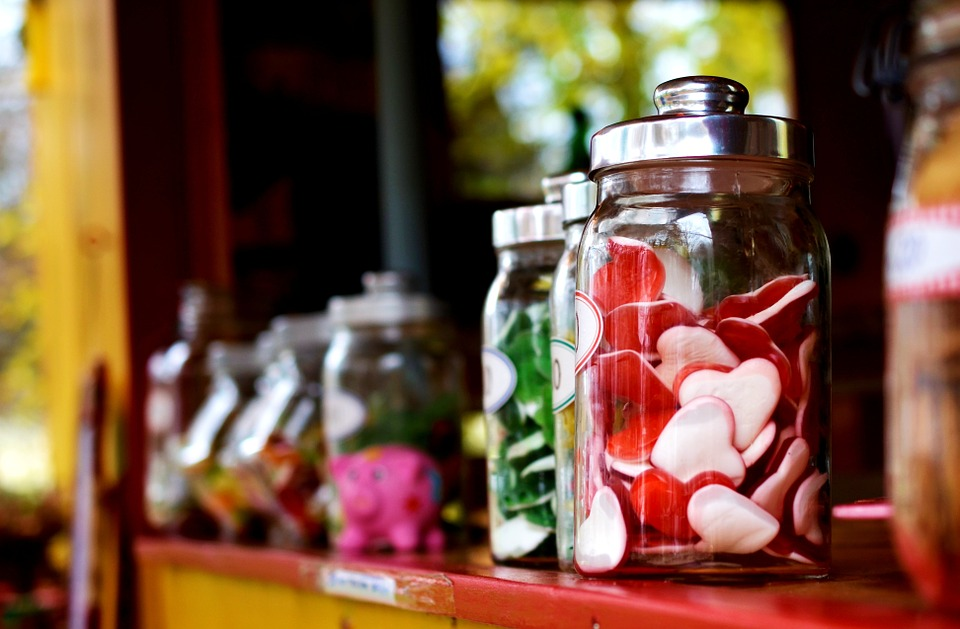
(589, 328)
(922, 258)
(499, 378)
(563, 357)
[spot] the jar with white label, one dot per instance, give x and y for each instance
(578, 200)
(922, 293)
(394, 395)
(517, 377)
(703, 346)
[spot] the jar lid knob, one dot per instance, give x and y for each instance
(700, 94)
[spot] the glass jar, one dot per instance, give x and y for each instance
(235, 368)
(521, 483)
(178, 380)
(703, 345)
(277, 451)
(394, 394)
(922, 293)
(578, 201)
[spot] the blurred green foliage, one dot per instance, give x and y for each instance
(528, 82)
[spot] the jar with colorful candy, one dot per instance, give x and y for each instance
(578, 200)
(703, 345)
(277, 452)
(235, 368)
(521, 465)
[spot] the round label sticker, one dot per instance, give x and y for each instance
(499, 378)
(589, 328)
(563, 356)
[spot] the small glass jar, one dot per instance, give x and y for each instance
(277, 451)
(394, 396)
(235, 368)
(922, 293)
(578, 201)
(703, 346)
(521, 484)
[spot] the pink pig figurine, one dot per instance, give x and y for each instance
(388, 494)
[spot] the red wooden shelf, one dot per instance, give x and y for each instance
(866, 587)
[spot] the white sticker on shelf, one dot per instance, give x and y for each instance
(364, 586)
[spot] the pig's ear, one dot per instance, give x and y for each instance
(339, 464)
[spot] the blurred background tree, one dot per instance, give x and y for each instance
(527, 83)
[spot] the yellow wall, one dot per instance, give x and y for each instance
(77, 195)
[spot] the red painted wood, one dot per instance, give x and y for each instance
(866, 588)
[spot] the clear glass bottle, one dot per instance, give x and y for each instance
(922, 293)
(178, 381)
(235, 368)
(277, 452)
(578, 201)
(394, 396)
(521, 483)
(703, 346)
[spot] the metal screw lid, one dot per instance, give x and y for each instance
(531, 223)
(579, 201)
(386, 300)
(552, 185)
(699, 117)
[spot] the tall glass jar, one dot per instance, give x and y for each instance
(178, 380)
(578, 201)
(235, 368)
(394, 395)
(922, 292)
(521, 483)
(703, 345)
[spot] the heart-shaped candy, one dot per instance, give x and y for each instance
(601, 538)
(752, 390)
(685, 344)
(699, 439)
(728, 522)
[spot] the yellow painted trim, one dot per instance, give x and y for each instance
(76, 190)
(176, 597)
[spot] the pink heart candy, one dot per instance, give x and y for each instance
(698, 439)
(752, 389)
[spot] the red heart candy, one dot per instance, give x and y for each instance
(633, 274)
(638, 325)
(749, 340)
(753, 302)
(630, 377)
(660, 501)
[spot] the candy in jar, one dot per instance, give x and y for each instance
(521, 485)
(578, 200)
(703, 345)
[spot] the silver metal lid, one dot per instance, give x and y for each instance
(531, 223)
(579, 201)
(699, 117)
(552, 186)
(386, 300)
